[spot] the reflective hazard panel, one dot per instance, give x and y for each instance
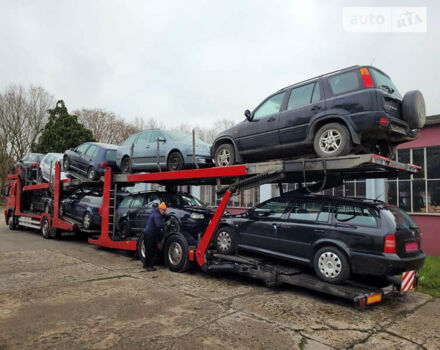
(407, 281)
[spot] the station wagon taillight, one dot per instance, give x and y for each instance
(366, 77)
(390, 244)
(103, 165)
(384, 121)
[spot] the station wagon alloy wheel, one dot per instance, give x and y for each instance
(330, 264)
(87, 221)
(330, 141)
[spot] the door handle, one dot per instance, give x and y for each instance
(275, 227)
(315, 108)
(318, 231)
(271, 119)
(147, 146)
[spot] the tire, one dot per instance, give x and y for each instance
(225, 240)
(124, 229)
(45, 228)
(141, 249)
(224, 155)
(387, 150)
(332, 140)
(413, 109)
(66, 163)
(176, 253)
(331, 265)
(174, 227)
(91, 174)
(11, 222)
(175, 161)
(126, 165)
(87, 221)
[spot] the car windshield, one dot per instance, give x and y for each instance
(384, 82)
(130, 140)
(182, 200)
(32, 157)
(401, 219)
(181, 137)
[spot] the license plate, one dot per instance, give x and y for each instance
(412, 246)
(398, 129)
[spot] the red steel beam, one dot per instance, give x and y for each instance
(104, 240)
(236, 170)
(204, 243)
(36, 187)
(56, 221)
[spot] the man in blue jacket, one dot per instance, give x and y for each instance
(153, 234)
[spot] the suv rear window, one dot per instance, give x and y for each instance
(344, 82)
(400, 218)
(384, 82)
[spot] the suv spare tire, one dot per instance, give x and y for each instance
(413, 109)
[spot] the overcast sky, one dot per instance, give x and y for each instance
(199, 61)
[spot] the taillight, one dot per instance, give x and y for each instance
(100, 210)
(35, 164)
(103, 165)
(384, 121)
(368, 81)
(390, 244)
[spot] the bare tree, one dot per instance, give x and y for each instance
(23, 115)
(144, 124)
(106, 126)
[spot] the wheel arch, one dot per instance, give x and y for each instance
(229, 140)
(317, 123)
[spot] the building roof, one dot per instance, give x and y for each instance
(432, 119)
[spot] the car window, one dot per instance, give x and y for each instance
(155, 135)
(47, 160)
(310, 211)
(95, 200)
(272, 209)
(316, 93)
(270, 106)
(92, 151)
(130, 140)
(300, 96)
(381, 80)
(152, 200)
(344, 82)
(355, 215)
(137, 202)
(126, 202)
(143, 138)
(82, 148)
(181, 137)
(110, 155)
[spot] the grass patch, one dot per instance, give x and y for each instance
(429, 276)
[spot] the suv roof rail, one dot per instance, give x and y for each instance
(319, 76)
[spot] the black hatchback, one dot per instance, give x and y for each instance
(337, 237)
(354, 110)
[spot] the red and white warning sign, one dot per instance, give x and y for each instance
(407, 281)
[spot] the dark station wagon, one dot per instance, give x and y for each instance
(354, 110)
(337, 237)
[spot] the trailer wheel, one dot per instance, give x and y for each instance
(331, 265)
(45, 228)
(176, 253)
(225, 240)
(11, 221)
(141, 249)
(87, 221)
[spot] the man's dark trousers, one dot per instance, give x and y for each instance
(152, 234)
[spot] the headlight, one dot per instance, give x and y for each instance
(197, 216)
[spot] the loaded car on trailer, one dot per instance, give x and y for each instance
(353, 110)
(337, 237)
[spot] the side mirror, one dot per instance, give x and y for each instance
(248, 115)
(73, 149)
(161, 139)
